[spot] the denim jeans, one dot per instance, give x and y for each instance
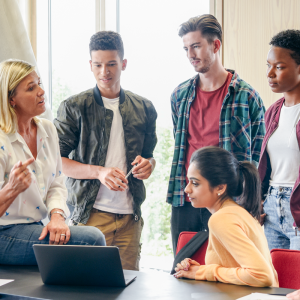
(16, 241)
(279, 221)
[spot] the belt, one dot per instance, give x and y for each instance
(119, 216)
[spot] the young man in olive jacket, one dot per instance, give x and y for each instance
(103, 133)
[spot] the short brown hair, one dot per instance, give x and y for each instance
(207, 24)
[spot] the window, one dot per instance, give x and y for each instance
(156, 64)
(72, 25)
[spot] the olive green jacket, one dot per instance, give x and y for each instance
(83, 125)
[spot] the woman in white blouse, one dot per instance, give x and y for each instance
(31, 181)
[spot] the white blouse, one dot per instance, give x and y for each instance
(47, 190)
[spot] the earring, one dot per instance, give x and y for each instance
(13, 106)
(219, 194)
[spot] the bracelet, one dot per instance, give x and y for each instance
(58, 212)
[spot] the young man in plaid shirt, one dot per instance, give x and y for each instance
(214, 108)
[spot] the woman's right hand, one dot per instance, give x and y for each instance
(187, 269)
(20, 177)
(19, 181)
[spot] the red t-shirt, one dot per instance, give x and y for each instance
(204, 120)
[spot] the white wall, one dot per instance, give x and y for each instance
(14, 39)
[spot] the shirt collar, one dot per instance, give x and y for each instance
(233, 83)
(235, 80)
(98, 97)
(12, 137)
(41, 132)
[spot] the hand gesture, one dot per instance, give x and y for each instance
(113, 178)
(20, 177)
(143, 169)
(187, 268)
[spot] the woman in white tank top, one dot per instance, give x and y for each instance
(280, 156)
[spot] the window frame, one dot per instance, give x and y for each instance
(101, 12)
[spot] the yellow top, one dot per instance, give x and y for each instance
(237, 251)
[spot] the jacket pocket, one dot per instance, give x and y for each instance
(240, 133)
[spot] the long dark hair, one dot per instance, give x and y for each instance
(218, 166)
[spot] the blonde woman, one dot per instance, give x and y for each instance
(31, 181)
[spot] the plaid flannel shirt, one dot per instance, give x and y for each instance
(242, 128)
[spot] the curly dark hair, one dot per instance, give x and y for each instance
(207, 24)
(107, 40)
(288, 39)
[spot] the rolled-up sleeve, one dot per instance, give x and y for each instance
(258, 129)
(57, 192)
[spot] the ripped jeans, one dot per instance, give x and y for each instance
(279, 221)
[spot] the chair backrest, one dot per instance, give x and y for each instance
(287, 264)
(183, 238)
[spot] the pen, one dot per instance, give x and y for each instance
(130, 171)
(128, 174)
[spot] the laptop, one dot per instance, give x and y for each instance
(81, 265)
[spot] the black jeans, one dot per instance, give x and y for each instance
(187, 218)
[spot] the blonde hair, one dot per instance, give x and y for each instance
(12, 72)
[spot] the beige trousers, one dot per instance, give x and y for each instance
(121, 231)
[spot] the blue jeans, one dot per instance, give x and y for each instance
(279, 221)
(16, 241)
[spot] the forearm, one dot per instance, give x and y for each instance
(77, 170)
(7, 197)
(57, 195)
(238, 276)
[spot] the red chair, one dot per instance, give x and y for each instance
(183, 238)
(287, 264)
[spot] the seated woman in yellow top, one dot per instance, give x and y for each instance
(237, 251)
